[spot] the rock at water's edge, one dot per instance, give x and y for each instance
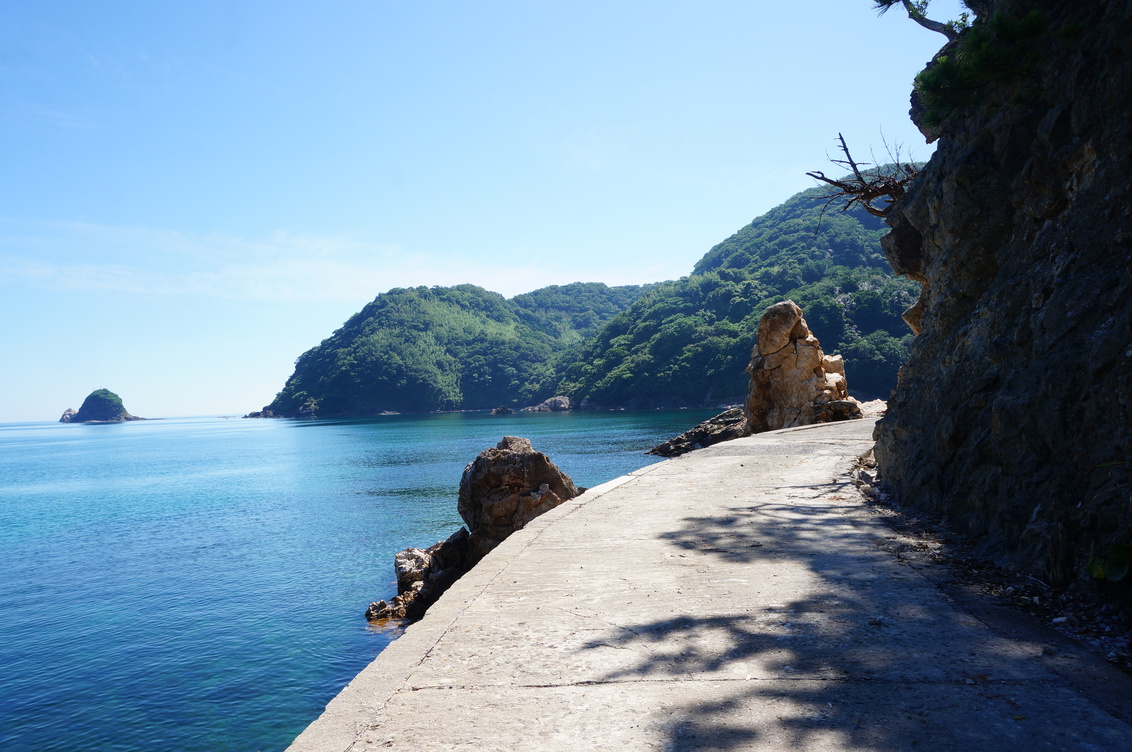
(503, 489)
(559, 404)
(422, 576)
(506, 487)
(793, 383)
(729, 424)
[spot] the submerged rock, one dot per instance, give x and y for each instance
(794, 383)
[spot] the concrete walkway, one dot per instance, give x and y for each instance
(732, 599)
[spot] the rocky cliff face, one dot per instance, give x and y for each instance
(1012, 415)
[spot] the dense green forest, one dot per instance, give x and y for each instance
(445, 348)
(683, 342)
(688, 342)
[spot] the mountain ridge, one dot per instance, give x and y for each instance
(682, 342)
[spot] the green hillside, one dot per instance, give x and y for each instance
(685, 342)
(445, 348)
(688, 342)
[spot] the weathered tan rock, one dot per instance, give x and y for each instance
(506, 487)
(874, 408)
(411, 565)
(794, 383)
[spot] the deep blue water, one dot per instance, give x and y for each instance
(199, 583)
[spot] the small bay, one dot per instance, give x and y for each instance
(199, 583)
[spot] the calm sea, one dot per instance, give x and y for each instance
(199, 584)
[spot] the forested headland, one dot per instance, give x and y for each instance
(678, 343)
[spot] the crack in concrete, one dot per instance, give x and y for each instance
(733, 680)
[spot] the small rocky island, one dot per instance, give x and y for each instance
(100, 406)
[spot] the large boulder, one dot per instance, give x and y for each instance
(506, 487)
(502, 490)
(794, 383)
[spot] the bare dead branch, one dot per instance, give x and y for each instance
(867, 187)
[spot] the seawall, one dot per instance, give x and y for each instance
(732, 598)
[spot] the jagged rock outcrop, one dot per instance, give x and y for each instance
(503, 489)
(100, 406)
(793, 383)
(1012, 415)
(423, 574)
(506, 487)
(729, 424)
(557, 404)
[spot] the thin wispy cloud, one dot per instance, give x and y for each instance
(18, 111)
(283, 267)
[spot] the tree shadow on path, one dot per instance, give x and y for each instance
(832, 643)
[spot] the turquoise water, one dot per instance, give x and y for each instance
(199, 584)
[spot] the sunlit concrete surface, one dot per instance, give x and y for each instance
(735, 598)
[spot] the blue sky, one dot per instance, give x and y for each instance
(193, 195)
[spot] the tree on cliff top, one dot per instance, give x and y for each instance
(917, 11)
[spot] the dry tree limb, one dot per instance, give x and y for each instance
(866, 186)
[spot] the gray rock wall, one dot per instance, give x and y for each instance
(1012, 415)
